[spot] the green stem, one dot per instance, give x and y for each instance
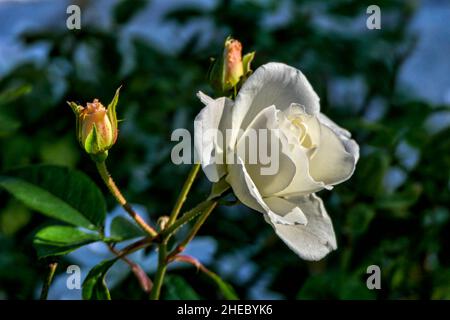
(160, 272)
(183, 194)
(204, 209)
(115, 191)
(48, 280)
(185, 218)
(172, 225)
(198, 224)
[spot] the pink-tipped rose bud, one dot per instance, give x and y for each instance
(231, 69)
(96, 126)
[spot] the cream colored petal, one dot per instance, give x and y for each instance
(331, 124)
(296, 116)
(273, 84)
(302, 182)
(279, 210)
(209, 134)
(284, 212)
(260, 148)
(243, 186)
(204, 98)
(314, 240)
(336, 157)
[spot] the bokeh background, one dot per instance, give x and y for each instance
(389, 87)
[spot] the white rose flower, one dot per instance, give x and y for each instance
(314, 153)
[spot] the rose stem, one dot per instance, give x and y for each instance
(144, 281)
(201, 220)
(183, 194)
(48, 280)
(162, 252)
(107, 179)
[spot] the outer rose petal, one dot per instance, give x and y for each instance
(336, 156)
(314, 240)
(209, 122)
(245, 190)
(273, 84)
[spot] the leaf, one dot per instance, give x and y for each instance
(218, 189)
(60, 240)
(179, 289)
(401, 200)
(12, 94)
(124, 229)
(94, 286)
(58, 192)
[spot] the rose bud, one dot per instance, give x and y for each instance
(96, 126)
(231, 68)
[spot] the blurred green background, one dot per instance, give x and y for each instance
(394, 211)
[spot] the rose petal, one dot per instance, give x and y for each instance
(261, 139)
(314, 240)
(331, 124)
(302, 182)
(273, 84)
(336, 156)
(209, 125)
(285, 212)
(243, 186)
(245, 190)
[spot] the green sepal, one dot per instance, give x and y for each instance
(111, 110)
(75, 107)
(92, 143)
(216, 75)
(77, 111)
(99, 157)
(218, 189)
(246, 61)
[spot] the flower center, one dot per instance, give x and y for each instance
(301, 129)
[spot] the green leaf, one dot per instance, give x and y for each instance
(124, 229)
(218, 189)
(401, 200)
(12, 94)
(58, 192)
(60, 240)
(179, 289)
(94, 286)
(225, 288)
